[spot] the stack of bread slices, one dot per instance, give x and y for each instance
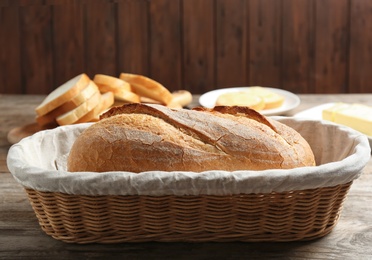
(82, 99)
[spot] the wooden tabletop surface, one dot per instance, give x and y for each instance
(22, 238)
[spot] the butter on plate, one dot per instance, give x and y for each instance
(356, 116)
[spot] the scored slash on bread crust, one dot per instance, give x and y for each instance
(238, 111)
(62, 94)
(288, 134)
(139, 137)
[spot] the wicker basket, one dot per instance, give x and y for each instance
(287, 216)
(278, 205)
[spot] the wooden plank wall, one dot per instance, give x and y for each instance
(304, 46)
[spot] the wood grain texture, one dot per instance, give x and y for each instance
(10, 56)
(165, 43)
(265, 43)
(297, 45)
(22, 2)
(305, 46)
(231, 43)
(22, 238)
(68, 35)
(100, 39)
(199, 45)
(133, 39)
(36, 49)
(4, 3)
(360, 76)
(331, 46)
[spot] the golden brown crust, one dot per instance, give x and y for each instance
(238, 111)
(108, 83)
(146, 87)
(139, 137)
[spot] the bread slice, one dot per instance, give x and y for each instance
(80, 98)
(107, 83)
(106, 101)
(71, 104)
(146, 87)
(74, 115)
(149, 100)
(126, 96)
(181, 97)
(62, 94)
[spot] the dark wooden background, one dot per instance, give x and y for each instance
(304, 46)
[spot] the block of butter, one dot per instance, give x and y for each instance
(356, 116)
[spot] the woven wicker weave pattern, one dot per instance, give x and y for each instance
(287, 216)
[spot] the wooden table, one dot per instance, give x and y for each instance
(22, 238)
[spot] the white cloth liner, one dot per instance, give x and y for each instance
(39, 162)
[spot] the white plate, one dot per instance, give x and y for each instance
(316, 114)
(291, 100)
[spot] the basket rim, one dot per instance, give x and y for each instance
(169, 183)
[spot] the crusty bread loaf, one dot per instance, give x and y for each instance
(139, 137)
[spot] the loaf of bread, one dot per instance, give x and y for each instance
(140, 137)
